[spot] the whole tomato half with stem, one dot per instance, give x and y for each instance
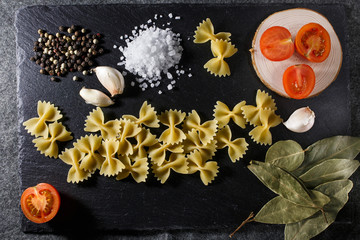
(276, 44)
(313, 42)
(41, 203)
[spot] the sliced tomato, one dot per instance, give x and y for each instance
(299, 81)
(276, 44)
(40, 203)
(313, 42)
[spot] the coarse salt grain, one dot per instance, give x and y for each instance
(170, 15)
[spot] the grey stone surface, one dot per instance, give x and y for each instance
(9, 166)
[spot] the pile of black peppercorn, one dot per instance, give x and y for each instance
(62, 53)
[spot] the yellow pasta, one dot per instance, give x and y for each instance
(48, 145)
(89, 145)
(111, 165)
(236, 148)
(263, 101)
(147, 116)
(205, 32)
(171, 119)
(129, 129)
(206, 130)
(223, 114)
(193, 143)
(208, 169)
(144, 139)
(217, 65)
(138, 169)
(72, 157)
(47, 112)
(95, 122)
(157, 152)
(261, 134)
(177, 162)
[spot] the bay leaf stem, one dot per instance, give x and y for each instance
(250, 218)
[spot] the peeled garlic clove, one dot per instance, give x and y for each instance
(95, 97)
(111, 79)
(301, 120)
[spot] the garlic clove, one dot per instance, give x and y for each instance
(111, 79)
(301, 120)
(95, 97)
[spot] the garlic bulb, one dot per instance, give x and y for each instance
(95, 97)
(111, 79)
(301, 120)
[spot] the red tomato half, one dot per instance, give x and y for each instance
(40, 203)
(276, 44)
(299, 81)
(313, 42)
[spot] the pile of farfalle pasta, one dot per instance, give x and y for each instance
(122, 147)
(221, 48)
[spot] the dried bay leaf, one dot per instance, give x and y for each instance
(288, 155)
(329, 170)
(338, 192)
(281, 183)
(282, 211)
(341, 147)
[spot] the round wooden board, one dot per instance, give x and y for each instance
(271, 73)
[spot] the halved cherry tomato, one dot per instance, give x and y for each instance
(276, 44)
(313, 42)
(40, 203)
(299, 81)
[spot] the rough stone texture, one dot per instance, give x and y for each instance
(9, 175)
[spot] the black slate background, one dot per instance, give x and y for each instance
(183, 202)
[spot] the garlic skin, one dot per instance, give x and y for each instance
(301, 120)
(95, 97)
(111, 79)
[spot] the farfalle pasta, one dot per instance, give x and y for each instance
(89, 145)
(144, 139)
(205, 32)
(111, 165)
(72, 157)
(208, 169)
(193, 143)
(261, 134)
(138, 169)
(223, 114)
(95, 122)
(157, 152)
(47, 112)
(236, 148)
(221, 49)
(48, 145)
(177, 162)
(171, 119)
(206, 131)
(128, 130)
(263, 101)
(147, 116)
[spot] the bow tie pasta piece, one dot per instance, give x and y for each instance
(72, 157)
(206, 131)
(157, 152)
(144, 139)
(177, 162)
(89, 145)
(129, 129)
(261, 134)
(193, 143)
(205, 32)
(217, 65)
(111, 165)
(236, 148)
(208, 170)
(263, 101)
(173, 134)
(95, 122)
(147, 116)
(223, 114)
(48, 145)
(47, 112)
(138, 170)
